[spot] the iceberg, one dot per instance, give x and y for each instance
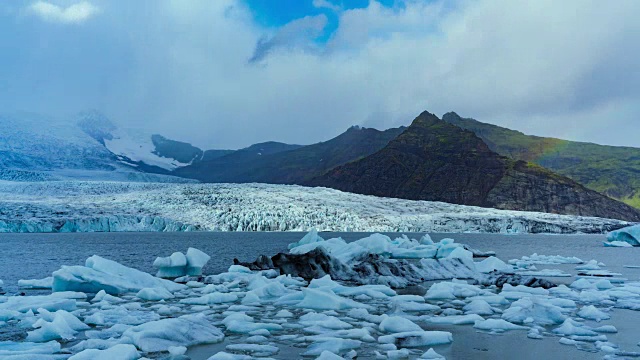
(45, 283)
(103, 274)
(120, 352)
(534, 310)
(311, 237)
(23, 304)
(630, 235)
(491, 264)
(417, 338)
(244, 324)
(154, 294)
(26, 350)
(617, 244)
(179, 265)
(196, 260)
(370, 261)
(397, 324)
(326, 299)
(497, 325)
(432, 354)
(592, 313)
(160, 335)
(171, 267)
(60, 325)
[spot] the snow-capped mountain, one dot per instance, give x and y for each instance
(136, 147)
(89, 147)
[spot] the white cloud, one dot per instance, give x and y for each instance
(72, 14)
(566, 69)
(326, 4)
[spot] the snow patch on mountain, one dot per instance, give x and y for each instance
(91, 206)
(136, 145)
(40, 148)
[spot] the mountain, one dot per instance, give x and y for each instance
(611, 170)
(136, 147)
(278, 163)
(40, 148)
(437, 161)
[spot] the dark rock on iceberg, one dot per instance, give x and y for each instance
(376, 269)
(499, 279)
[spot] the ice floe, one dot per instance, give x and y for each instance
(353, 304)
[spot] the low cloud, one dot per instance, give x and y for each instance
(73, 14)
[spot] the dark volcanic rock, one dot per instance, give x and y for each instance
(499, 279)
(312, 265)
(437, 161)
(376, 269)
(370, 269)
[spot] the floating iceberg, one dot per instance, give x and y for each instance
(179, 264)
(110, 276)
(26, 350)
(60, 325)
(491, 264)
(630, 235)
(417, 338)
(534, 310)
(120, 352)
(186, 330)
(45, 283)
(617, 244)
(497, 325)
(23, 304)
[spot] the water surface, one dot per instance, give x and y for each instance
(27, 256)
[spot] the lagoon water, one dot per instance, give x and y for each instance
(33, 256)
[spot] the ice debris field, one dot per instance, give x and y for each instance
(77, 206)
(358, 308)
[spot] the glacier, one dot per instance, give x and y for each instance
(35, 147)
(109, 206)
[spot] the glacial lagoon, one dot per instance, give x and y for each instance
(35, 256)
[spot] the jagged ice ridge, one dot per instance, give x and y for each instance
(76, 206)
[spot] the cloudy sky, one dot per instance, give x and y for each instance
(228, 73)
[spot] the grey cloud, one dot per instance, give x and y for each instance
(296, 34)
(179, 68)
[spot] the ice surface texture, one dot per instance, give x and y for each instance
(117, 312)
(630, 235)
(73, 207)
(179, 264)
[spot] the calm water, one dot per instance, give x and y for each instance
(31, 256)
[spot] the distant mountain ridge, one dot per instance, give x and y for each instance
(437, 161)
(432, 159)
(611, 170)
(278, 163)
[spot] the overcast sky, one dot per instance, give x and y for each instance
(228, 73)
